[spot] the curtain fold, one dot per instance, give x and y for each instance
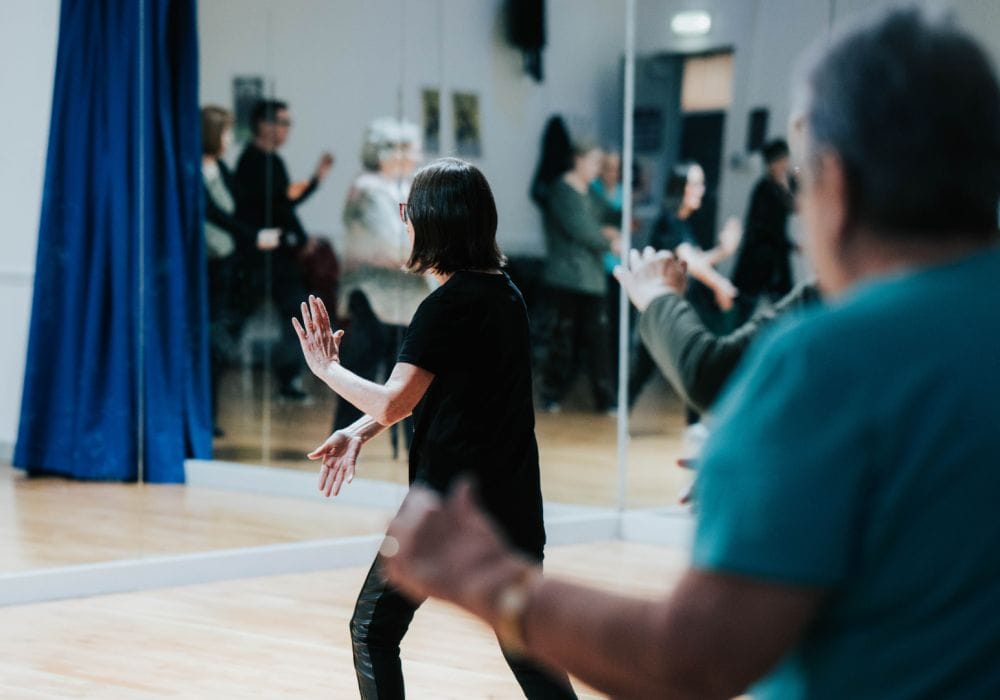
(118, 332)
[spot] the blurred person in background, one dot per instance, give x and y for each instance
(710, 293)
(267, 199)
(763, 270)
(228, 240)
(378, 295)
(580, 228)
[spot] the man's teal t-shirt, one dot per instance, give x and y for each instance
(858, 451)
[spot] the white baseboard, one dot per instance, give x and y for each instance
(565, 524)
(288, 483)
(668, 527)
(147, 573)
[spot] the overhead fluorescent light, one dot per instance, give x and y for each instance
(691, 23)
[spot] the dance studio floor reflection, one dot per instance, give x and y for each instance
(55, 522)
(578, 447)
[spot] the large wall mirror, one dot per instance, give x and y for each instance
(711, 95)
(712, 92)
(434, 78)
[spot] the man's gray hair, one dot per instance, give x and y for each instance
(912, 109)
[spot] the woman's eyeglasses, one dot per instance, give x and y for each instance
(404, 215)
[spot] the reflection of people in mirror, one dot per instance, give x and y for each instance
(763, 270)
(378, 297)
(710, 292)
(228, 239)
(464, 371)
(608, 186)
(580, 228)
(696, 361)
(267, 199)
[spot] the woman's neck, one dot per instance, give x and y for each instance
(442, 277)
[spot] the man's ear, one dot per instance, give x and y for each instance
(831, 185)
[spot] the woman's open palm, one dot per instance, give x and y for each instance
(320, 345)
(340, 457)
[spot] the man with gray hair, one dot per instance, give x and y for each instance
(847, 530)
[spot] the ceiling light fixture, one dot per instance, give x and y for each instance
(691, 23)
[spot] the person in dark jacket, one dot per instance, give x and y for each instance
(228, 240)
(268, 198)
(763, 268)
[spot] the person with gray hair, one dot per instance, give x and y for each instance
(580, 227)
(846, 535)
(377, 295)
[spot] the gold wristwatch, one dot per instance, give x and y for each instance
(512, 602)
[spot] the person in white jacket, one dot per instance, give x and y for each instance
(377, 295)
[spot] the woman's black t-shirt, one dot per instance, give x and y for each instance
(478, 417)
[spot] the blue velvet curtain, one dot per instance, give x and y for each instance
(117, 365)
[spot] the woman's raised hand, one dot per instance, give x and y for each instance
(320, 344)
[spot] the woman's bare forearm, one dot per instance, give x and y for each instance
(367, 396)
(385, 404)
(365, 428)
(716, 255)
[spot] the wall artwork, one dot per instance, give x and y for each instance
(247, 90)
(430, 100)
(468, 143)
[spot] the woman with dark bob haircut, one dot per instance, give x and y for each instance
(466, 360)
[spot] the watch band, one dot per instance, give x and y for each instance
(512, 602)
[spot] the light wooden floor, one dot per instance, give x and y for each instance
(274, 637)
(578, 448)
(55, 522)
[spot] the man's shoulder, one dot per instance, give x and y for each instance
(248, 157)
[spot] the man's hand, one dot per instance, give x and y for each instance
(320, 345)
(650, 275)
(448, 549)
(268, 238)
(340, 457)
(323, 167)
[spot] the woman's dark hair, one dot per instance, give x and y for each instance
(773, 150)
(556, 158)
(677, 180)
(214, 121)
(454, 219)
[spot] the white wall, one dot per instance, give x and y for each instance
(28, 33)
(341, 64)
